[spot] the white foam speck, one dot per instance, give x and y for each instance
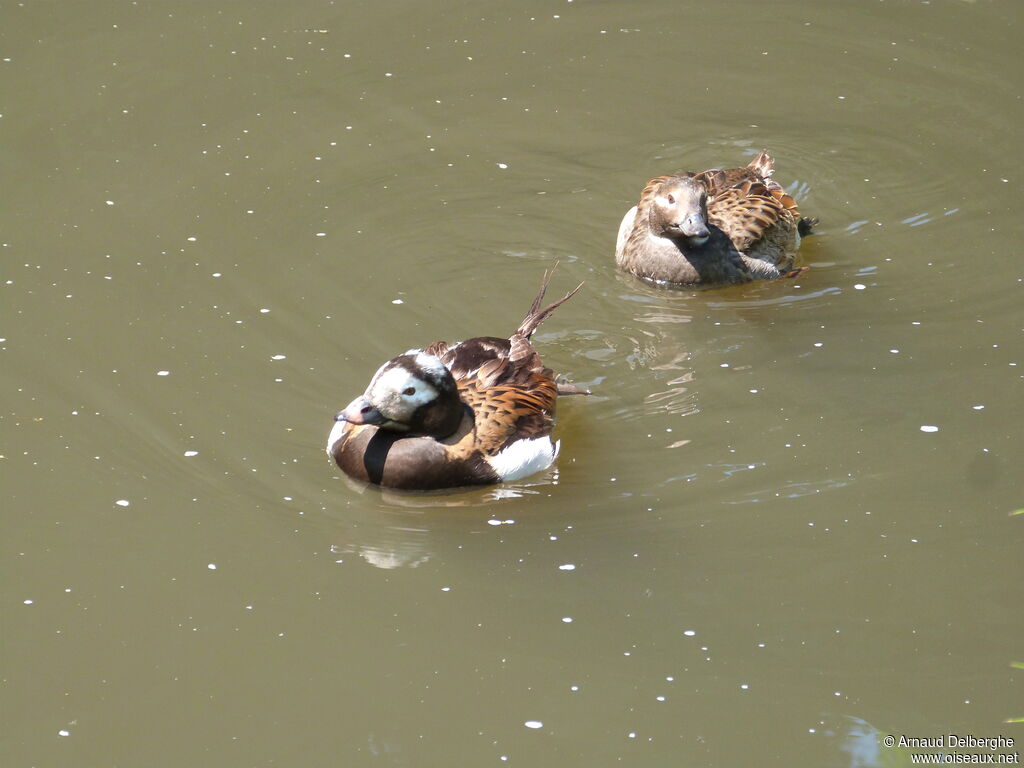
(534, 724)
(110, 202)
(122, 502)
(978, 407)
(163, 373)
(859, 286)
(212, 566)
(191, 453)
(397, 301)
(744, 686)
(63, 732)
(191, 239)
(567, 567)
(321, 234)
(689, 632)
(567, 619)
(929, 428)
(27, 602)
(503, 166)
(264, 310)
(278, 357)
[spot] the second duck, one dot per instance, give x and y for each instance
(714, 227)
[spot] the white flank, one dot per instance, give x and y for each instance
(523, 458)
(335, 435)
(624, 229)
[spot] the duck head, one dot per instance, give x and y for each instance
(413, 393)
(679, 210)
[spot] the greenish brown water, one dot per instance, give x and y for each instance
(210, 211)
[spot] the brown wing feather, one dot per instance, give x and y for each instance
(754, 182)
(785, 199)
(493, 371)
(504, 382)
(746, 213)
(717, 180)
(504, 414)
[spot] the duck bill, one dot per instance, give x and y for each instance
(361, 411)
(695, 227)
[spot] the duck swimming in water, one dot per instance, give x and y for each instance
(476, 412)
(716, 226)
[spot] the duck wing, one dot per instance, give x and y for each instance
(505, 382)
(748, 211)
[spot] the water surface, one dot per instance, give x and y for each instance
(777, 531)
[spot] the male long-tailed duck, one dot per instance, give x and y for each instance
(716, 226)
(472, 413)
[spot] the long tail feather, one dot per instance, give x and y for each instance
(536, 315)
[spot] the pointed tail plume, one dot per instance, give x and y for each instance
(536, 315)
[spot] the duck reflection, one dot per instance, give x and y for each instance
(405, 529)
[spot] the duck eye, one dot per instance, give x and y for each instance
(409, 391)
(671, 199)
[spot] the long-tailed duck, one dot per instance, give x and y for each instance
(472, 413)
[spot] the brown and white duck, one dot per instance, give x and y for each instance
(717, 226)
(472, 413)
